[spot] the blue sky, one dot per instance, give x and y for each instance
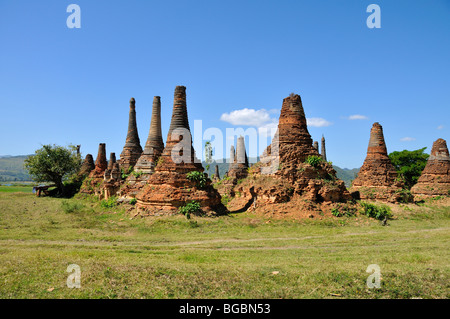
(61, 85)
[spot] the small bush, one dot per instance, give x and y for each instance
(405, 196)
(109, 203)
(225, 199)
(159, 161)
(314, 160)
(343, 211)
(377, 212)
(198, 177)
(335, 212)
(133, 201)
(193, 208)
(71, 207)
(137, 174)
(193, 224)
(127, 173)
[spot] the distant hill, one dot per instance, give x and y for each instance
(11, 169)
(347, 175)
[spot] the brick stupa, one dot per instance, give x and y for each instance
(93, 184)
(232, 159)
(101, 164)
(377, 178)
(294, 141)
(239, 167)
(168, 188)
(112, 160)
(323, 151)
(132, 149)
(146, 163)
(216, 173)
(154, 145)
(283, 174)
(435, 178)
(111, 182)
(316, 145)
(87, 166)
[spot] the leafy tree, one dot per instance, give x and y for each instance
(53, 163)
(409, 165)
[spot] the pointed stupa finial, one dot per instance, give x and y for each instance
(323, 152)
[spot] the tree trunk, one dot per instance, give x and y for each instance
(59, 186)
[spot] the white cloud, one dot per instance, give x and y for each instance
(407, 139)
(357, 117)
(317, 122)
(262, 119)
(247, 117)
(440, 127)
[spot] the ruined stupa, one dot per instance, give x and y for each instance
(169, 187)
(290, 168)
(316, 145)
(232, 159)
(87, 166)
(216, 173)
(100, 162)
(132, 149)
(295, 143)
(239, 167)
(377, 178)
(435, 178)
(323, 151)
(112, 160)
(93, 184)
(111, 182)
(147, 161)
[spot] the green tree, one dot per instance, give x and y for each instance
(53, 163)
(409, 165)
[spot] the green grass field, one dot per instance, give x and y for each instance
(237, 256)
(16, 189)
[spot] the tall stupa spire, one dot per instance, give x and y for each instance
(132, 149)
(154, 145)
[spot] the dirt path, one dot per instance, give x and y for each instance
(130, 244)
